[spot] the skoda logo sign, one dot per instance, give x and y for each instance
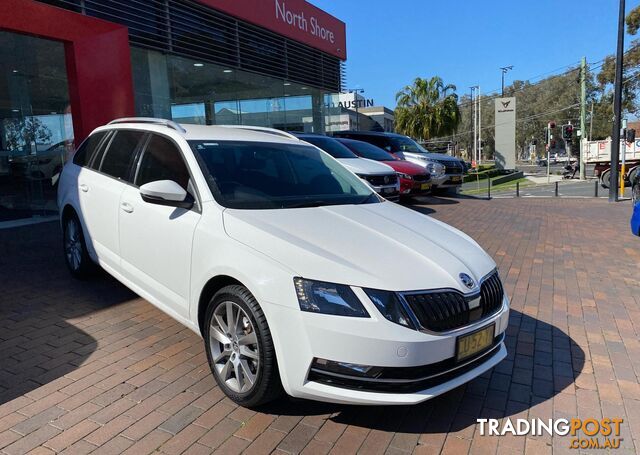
(467, 280)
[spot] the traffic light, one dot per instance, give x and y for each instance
(631, 135)
(547, 135)
(552, 125)
(567, 132)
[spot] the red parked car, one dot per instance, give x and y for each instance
(414, 180)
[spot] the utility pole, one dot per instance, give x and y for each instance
(591, 123)
(583, 115)
(617, 110)
(473, 132)
(475, 124)
(479, 126)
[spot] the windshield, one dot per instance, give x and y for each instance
(329, 145)
(366, 150)
(405, 144)
(254, 175)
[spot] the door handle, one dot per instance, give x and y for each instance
(127, 207)
(84, 188)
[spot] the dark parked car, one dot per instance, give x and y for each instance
(406, 148)
(414, 179)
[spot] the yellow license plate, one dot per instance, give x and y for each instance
(425, 186)
(456, 179)
(472, 343)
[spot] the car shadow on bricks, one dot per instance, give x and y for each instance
(45, 315)
(542, 361)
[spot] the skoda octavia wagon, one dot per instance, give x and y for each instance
(297, 275)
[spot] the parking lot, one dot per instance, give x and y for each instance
(91, 367)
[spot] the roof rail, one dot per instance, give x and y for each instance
(153, 121)
(263, 129)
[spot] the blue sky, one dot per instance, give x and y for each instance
(389, 43)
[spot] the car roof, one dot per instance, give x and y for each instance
(370, 133)
(204, 132)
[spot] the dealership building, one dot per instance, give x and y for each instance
(68, 66)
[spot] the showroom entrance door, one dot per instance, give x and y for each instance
(36, 129)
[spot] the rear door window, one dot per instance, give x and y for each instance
(120, 156)
(88, 149)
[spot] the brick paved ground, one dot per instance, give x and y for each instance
(90, 367)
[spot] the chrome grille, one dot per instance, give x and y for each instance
(382, 180)
(491, 295)
(451, 166)
(447, 310)
(421, 178)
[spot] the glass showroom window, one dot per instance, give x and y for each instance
(36, 132)
(197, 92)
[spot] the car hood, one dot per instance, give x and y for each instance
(380, 246)
(364, 166)
(432, 156)
(405, 167)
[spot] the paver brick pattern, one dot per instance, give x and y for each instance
(89, 367)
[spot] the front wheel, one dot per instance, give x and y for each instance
(240, 348)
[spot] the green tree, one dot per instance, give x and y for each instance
(427, 109)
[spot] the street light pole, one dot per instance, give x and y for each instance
(504, 70)
(617, 110)
(474, 111)
(479, 126)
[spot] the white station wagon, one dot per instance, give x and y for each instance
(298, 277)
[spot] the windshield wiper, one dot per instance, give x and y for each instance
(301, 205)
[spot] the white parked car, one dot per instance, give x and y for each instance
(295, 273)
(382, 178)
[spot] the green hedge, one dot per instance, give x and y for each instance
(482, 175)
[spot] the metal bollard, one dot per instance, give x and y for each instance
(556, 189)
(488, 188)
(595, 192)
(517, 189)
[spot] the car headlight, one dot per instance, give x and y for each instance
(328, 298)
(390, 306)
(435, 169)
(404, 176)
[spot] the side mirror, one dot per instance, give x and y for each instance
(166, 192)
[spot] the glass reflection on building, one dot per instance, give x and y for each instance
(191, 91)
(36, 131)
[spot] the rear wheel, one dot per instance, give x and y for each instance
(75, 248)
(635, 192)
(240, 348)
(604, 178)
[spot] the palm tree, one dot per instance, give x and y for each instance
(427, 109)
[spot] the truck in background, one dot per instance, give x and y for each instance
(599, 154)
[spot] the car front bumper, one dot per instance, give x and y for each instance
(377, 342)
(448, 181)
(410, 187)
(390, 192)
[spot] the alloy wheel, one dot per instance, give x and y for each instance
(73, 244)
(234, 347)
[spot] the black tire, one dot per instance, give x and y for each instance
(604, 178)
(267, 386)
(635, 192)
(75, 250)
